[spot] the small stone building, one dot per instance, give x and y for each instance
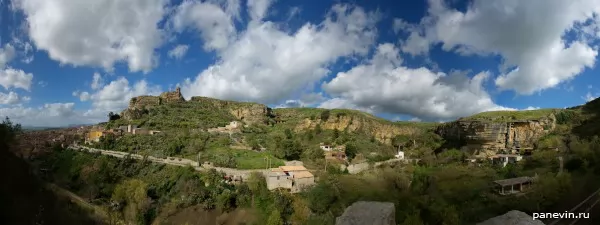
(368, 213)
(294, 178)
(139, 131)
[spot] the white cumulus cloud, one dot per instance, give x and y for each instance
(96, 33)
(12, 98)
(529, 35)
(383, 85)
(51, 115)
(13, 78)
(7, 54)
(214, 24)
(97, 81)
(115, 96)
(267, 64)
(178, 52)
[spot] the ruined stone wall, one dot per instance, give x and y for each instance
(172, 97)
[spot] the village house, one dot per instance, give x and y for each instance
(93, 136)
(231, 127)
(335, 155)
(139, 131)
(400, 155)
(505, 159)
(513, 185)
(325, 147)
(294, 178)
(131, 128)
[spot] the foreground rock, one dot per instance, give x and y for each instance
(368, 213)
(512, 218)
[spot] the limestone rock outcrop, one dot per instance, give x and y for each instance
(371, 213)
(247, 112)
(491, 136)
(513, 217)
(383, 132)
(138, 105)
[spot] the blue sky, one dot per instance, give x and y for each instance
(68, 62)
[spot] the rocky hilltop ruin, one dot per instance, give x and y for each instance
(247, 112)
(487, 137)
(138, 105)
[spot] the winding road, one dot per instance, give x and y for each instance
(244, 174)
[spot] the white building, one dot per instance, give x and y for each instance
(325, 147)
(505, 159)
(400, 155)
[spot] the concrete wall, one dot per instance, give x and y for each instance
(278, 181)
(357, 168)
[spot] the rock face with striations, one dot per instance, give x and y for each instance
(247, 112)
(368, 213)
(382, 131)
(488, 137)
(512, 218)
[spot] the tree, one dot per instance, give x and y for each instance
(351, 150)
(321, 197)
(288, 134)
(8, 133)
(226, 200)
(275, 218)
(325, 115)
(314, 154)
(291, 149)
(132, 194)
(113, 116)
(336, 133)
(318, 129)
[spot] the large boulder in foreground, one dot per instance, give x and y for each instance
(368, 213)
(513, 217)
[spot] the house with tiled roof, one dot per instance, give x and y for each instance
(294, 178)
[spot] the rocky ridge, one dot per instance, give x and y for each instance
(249, 113)
(382, 131)
(488, 136)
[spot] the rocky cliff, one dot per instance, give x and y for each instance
(138, 105)
(247, 112)
(490, 136)
(244, 111)
(383, 131)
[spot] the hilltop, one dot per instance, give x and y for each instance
(278, 130)
(442, 180)
(185, 124)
